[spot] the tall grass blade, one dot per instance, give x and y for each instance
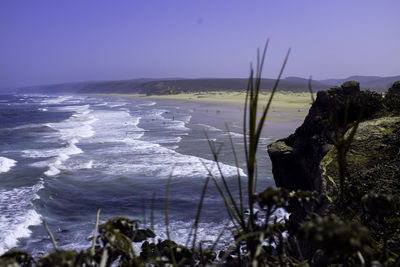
(219, 237)
(255, 176)
(231, 212)
(143, 212)
(262, 120)
(237, 170)
(226, 186)
(351, 135)
(166, 205)
(196, 222)
(311, 90)
(50, 234)
(152, 211)
(249, 86)
(259, 70)
(167, 218)
(189, 237)
(255, 133)
(258, 250)
(104, 258)
(96, 227)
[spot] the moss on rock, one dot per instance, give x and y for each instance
(376, 144)
(280, 146)
(373, 162)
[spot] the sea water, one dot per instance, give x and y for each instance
(62, 157)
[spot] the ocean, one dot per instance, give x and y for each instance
(62, 157)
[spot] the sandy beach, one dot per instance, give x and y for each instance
(217, 109)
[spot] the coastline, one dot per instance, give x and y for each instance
(217, 109)
(281, 100)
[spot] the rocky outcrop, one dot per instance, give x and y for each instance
(296, 159)
(395, 89)
(373, 161)
(392, 98)
(307, 160)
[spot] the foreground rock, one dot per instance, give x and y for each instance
(296, 159)
(307, 160)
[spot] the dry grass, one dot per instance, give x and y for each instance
(284, 100)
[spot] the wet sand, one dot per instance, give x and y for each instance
(287, 111)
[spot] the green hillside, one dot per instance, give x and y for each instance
(179, 85)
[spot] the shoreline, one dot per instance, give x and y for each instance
(285, 106)
(222, 109)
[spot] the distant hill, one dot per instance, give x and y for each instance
(179, 85)
(358, 78)
(375, 83)
(169, 86)
(204, 85)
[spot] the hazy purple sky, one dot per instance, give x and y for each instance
(50, 41)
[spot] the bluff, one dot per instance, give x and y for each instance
(304, 160)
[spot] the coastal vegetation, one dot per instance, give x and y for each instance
(338, 184)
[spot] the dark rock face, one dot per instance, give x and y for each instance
(351, 87)
(392, 98)
(296, 159)
(395, 89)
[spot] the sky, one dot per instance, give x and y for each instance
(48, 41)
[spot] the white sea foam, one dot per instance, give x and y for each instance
(169, 140)
(101, 104)
(116, 105)
(233, 134)
(88, 165)
(157, 113)
(186, 119)
(116, 126)
(75, 128)
(17, 214)
(158, 161)
(69, 131)
(147, 156)
(79, 110)
(69, 149)
(239, 135)
(58, 157)
(171, 123)
(29, 125)
(40, 164)
(148, 104)
(54, 101)
(209, 127)
(6, 164)
(56, 164)
(177, 125)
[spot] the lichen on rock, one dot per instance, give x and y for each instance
(296, 159)
(373, 159)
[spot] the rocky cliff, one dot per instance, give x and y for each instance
(296, 160)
